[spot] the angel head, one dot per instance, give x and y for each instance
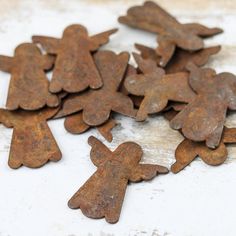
(129, 153)
(27, 49)
(76, 30)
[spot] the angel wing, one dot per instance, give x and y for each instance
(7, 118)
(148, 66)
(6, 63)
(98, 40)
(50, 44)
(146, 172)
(201, 30)
(99, 152)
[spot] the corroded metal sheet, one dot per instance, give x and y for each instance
(29, 85)
(75, 125)
(98, 104)
(157, 88)
(180, 58)
(74, 69)
(188, 150)
(171, 33)
(203, 119)
(103, 193)
(32, 144)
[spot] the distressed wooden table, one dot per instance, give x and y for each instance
(199, 201)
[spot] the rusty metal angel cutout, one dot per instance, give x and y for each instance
(32, 144)
(74, 69)
(171, 34)
(103, 193)
(157, 88)
(188, 150)
(29, 86)
(181, 57)
(75, 125)
(203, 119)
(98, 104)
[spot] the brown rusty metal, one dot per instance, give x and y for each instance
(188, 150)
(203, 119)
(180, 58)
(106, 128)
(131, 70)
(157, 88)
(103, 193)
(74, 69)
(176, 106)
(32, 144)
(29, 85)
(74, 124)
(170, 114)
(171, 33)
(98, 104)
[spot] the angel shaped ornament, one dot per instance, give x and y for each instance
(74, 67)
(97, 105)
(181, 57)
(171, 33)
(157, 87)
(29, 86)
(74, 124)
(33, 144)
(203, 119)
(103, 194)
(187, 151)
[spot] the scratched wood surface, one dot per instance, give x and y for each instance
(200, 201)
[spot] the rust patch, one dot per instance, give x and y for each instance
(188, 150)
(181, 57)
(98, 104)
(157, 88)
(203, 119)
(103, 194)
(28, 77)
(75, 125)
(171, 33)
(136, 99)
(74, 69)
(32, 144)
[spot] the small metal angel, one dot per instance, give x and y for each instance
(103, 193)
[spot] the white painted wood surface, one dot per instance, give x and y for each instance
(199, 201)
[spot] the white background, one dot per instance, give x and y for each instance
(199, 201)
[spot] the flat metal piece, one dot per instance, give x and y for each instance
(74, 124)
(74, 69)
(157, 88)
(176, 106)
(203, 119)
(188, 150)
(131, 70)
(98, 104)
(33, 144)
(171, 33)
(180, 58)
(28, 85)
(103, 193)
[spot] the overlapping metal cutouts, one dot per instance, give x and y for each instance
(89, 86)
